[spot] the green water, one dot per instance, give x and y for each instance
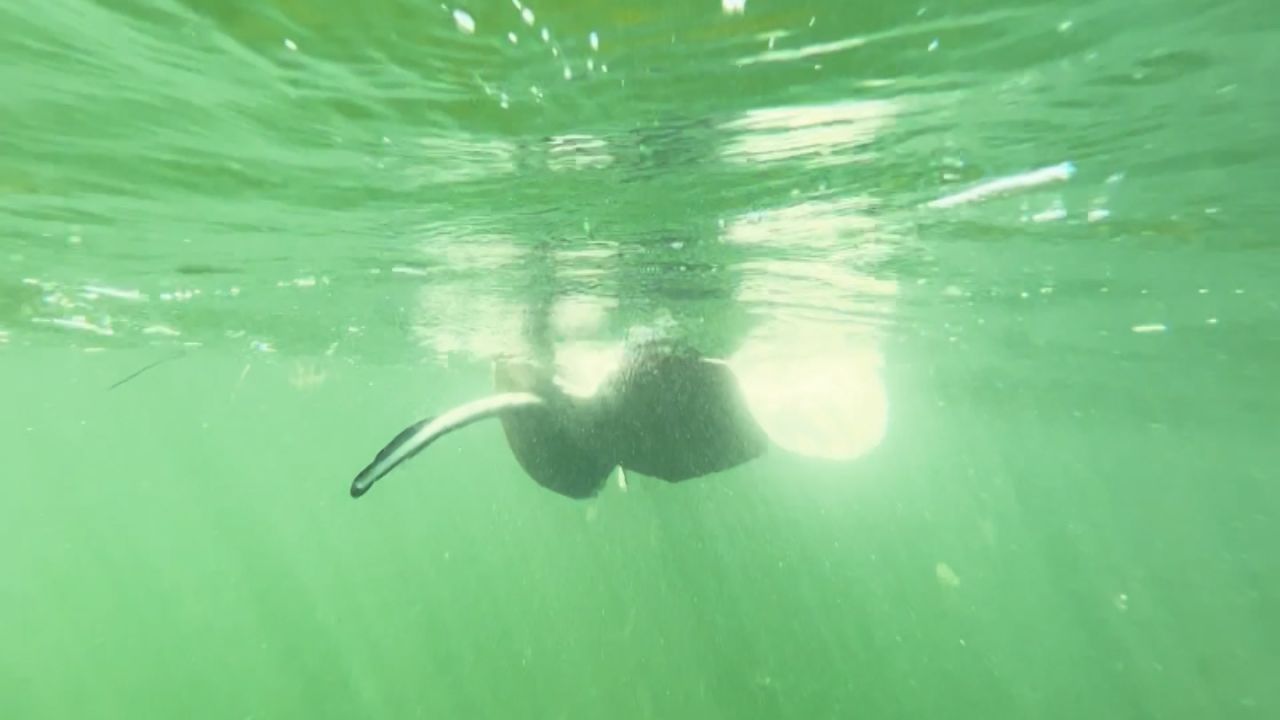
(1029, 452)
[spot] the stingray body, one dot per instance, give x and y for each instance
(672, 414)
(549, 440)
(666, 412)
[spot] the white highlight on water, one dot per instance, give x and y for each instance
(465, 22)
(118, 293)
(1049, 215)
(77, 322)
(1043, 176)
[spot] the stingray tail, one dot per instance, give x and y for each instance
(413, 439)
(144, 368)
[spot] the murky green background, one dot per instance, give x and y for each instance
(1065, 505)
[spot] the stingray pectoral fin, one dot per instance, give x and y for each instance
(413, 439)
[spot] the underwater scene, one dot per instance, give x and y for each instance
(573, 359)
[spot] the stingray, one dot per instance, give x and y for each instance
(666, 412)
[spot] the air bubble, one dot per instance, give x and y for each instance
(465, 22)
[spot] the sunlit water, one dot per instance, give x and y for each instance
(999, 279)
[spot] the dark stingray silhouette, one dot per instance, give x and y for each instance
(667, 412)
